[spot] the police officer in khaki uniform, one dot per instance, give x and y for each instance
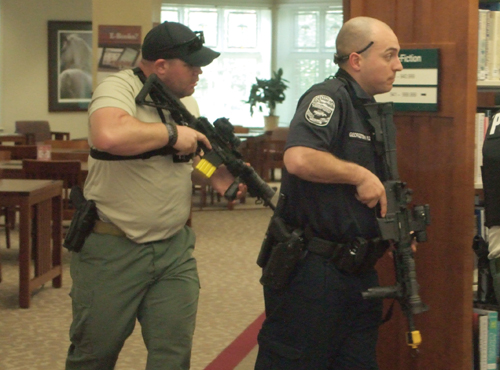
(331, 188)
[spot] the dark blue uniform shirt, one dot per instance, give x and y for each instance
(328, 120)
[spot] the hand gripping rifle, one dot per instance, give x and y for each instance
(400, 225)
(221, 137)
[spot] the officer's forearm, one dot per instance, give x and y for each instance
(318, 166)
(114, 131)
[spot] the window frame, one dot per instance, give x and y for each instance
(283, 54)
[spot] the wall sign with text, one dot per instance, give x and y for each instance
(416, 86)
(119, 48)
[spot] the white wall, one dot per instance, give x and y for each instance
(24, 65)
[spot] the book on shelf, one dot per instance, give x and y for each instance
(493, 46)
(480, 123)
(479, 228)
(487, 339)
(489, 5)
(488, 47)
(483, 118)
(475, 341)
(482, 45)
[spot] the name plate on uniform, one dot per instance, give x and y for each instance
(416, 86)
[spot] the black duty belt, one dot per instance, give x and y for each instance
(356, 257)
(323, 247)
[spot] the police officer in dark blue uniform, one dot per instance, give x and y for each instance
(331, 189)
(491, 188)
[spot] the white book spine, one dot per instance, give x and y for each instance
(479, 138)
(494, 46)
(483, 342)
(482, 42)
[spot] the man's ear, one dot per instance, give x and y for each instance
(355, 61)
(160, 66)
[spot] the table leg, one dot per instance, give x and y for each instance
(57, 239)
(24, 253)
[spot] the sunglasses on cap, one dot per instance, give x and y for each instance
(185, 48)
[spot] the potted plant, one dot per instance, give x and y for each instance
(269, 93)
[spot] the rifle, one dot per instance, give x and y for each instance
(221, 136)
(400, 225)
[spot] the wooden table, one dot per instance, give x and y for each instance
(81, 155)
(39, 201)
(245, 135)
(13, 169)
(18, 139)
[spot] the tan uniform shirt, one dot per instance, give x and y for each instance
(149, 199)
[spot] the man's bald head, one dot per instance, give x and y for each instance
(356, 34)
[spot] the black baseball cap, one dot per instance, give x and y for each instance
(171, 40)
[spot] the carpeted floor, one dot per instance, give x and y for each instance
(230, 304)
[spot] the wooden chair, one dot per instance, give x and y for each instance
(39, 131)
(250, 150)
(13, 139)
(241, 129)
(279, 133)
(72, 156)
(68, 144)
(20, 151)
(272, 158)
(69, 171)
(6, 212)
(271, 151)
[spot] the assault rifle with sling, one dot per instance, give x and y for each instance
(221, 136)
(400, 225)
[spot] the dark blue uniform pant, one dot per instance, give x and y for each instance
(320, 321)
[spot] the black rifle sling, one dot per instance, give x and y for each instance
(377, 143)
(105, 156)
(360, 106)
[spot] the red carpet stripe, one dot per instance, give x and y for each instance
(233, 354)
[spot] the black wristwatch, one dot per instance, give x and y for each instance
(172, 133)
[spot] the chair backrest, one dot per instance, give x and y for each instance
(13, 139)
(68, 144)
(69, 171)
(21, 151)
(272, 154)
(82, 156)
(279, 133)
(37, 131)
(5, 155)
(241, 129)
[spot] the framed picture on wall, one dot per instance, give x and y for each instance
(70, 65)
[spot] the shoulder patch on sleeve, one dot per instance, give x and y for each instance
(320, 110)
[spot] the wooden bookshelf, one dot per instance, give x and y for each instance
(488, 85)
(436, 159)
